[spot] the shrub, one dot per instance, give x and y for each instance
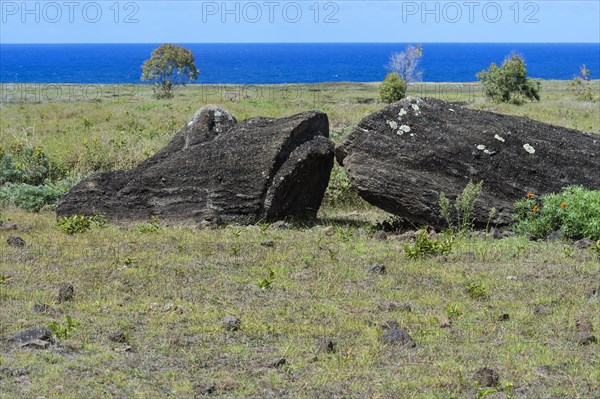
(34, 198)
(392, 89)
(464, 205)
(339, 191)
(406, 63)
(23, 163)
(509, 82)
(79, 223)
(151, 227)
(580, 85)
(63, 331)
(596, 248)
(425, 246)
(477, 290)
(575, 212)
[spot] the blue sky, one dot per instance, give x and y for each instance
(70, 21)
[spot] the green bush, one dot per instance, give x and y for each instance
(580, 85)
(79, 223)
(425, 246)
(34, 198)
(339, 191)
(392, 89)
(575, 212)
(464, 205)
(23, 163)
(509, 82)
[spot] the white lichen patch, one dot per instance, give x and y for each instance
(415, 107)
(481, 147)
(499, 138)
(401, 113)
(393, 124)
(450, 109)
(529, 148)
(404, 128)
(399, 132)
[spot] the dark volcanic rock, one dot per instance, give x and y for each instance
(393, 334)
(377, 268)
(487, 377)
(231, 323)
(118, 336)
(402, 157)
(584, 338)
(66, 293)
(205, 388)
(584, 243)
(33, 335)
(216, 170)
(15, 241)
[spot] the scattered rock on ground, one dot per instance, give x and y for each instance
(42, 308)
(325, 345)
(14, 241)
(504, 317)
(377, 268)
(585, 338)
(393, 334)
(8, 225)
(486, 377)
(278, 362)
(268, 243)
(205, 388)
(66, 293)
(216, 170)
(593, 293)
(118, 336)
(583, 243)
(231, 323)
(402, 157)
(39, 338)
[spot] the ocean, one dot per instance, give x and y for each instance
(286, 63)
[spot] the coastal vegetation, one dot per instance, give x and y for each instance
(509, 82)
(170, 66)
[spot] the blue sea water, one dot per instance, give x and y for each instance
(285, 63)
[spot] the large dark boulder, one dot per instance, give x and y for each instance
(402, 157)
(221, 170)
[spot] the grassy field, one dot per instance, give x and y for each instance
(87, 128)
(512, 305)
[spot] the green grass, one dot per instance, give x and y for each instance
(116, 127)
(168, 291)
(168, 288)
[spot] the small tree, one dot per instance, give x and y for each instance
(168, 67)
(580, 85)
(406, 64)
(392, 89)
(509, 83)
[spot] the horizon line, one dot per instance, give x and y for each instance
(408, 42)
